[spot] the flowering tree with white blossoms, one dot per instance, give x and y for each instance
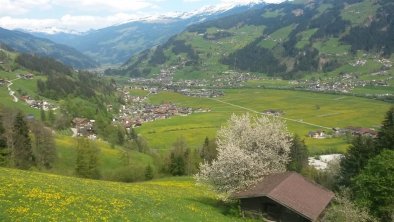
(249, 148)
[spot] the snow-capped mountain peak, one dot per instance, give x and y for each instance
(206, 10)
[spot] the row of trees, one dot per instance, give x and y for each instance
(184, 161)
(21, 149)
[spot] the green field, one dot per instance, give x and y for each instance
(306, 107)
(277, 37)
(29, 196)
(332, 46)
(358, 13)
(374, 90)
(138, 92)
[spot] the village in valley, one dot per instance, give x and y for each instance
(137, 110)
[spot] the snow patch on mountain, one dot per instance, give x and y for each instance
(204, 11)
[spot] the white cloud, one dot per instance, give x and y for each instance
(249, 1)
(79, 15)
(22, 7)
(83, 15)
(18, 7)
(106, 5)
(66, 22)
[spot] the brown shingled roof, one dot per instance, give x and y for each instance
(292, 191)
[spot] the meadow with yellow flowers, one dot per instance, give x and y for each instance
(32, 196)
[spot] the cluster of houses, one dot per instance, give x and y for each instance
(83, 127)
(385, 62)
(318, 134)
(273, 112)
(358, 62)
(38, 104)
(25, 76)
(353, 131)
(197, 87)
(3, 82)
(344, 83)
(138, 111)
(357, 131)
(232, 79)
(270, 38)
(209, 93)
(361, 62)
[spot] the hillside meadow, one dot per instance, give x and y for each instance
(30, 196)
(300, 108)
(28, 86)
(110, 158)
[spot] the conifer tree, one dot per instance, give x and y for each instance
(177, 164)
(360, 151)
(44, 147)
(385, 139)
(87, 159)
(148, 172)
(208, 151)
(51, 117)
(43, 116)
(298, 155)
(4, 150)
(22, 152)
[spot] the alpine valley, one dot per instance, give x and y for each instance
(183, 116)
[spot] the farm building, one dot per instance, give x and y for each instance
(320, 134)
(286, 197)
(273, 112)
(83, 126)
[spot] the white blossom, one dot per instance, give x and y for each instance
(249, 149)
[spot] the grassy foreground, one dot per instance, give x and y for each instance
(30, 196)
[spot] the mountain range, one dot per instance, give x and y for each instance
(290, 39)
(116, 44)
(26, 43)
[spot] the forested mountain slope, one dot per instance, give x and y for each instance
(289, 40)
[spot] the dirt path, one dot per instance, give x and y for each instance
(12, 93)
(281, 117)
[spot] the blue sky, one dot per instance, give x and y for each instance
(82, 15)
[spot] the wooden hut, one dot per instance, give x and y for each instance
(287, 197)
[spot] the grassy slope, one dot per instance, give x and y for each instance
(335, 111)
(109, 158)
(28, 196)
(26, 86)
